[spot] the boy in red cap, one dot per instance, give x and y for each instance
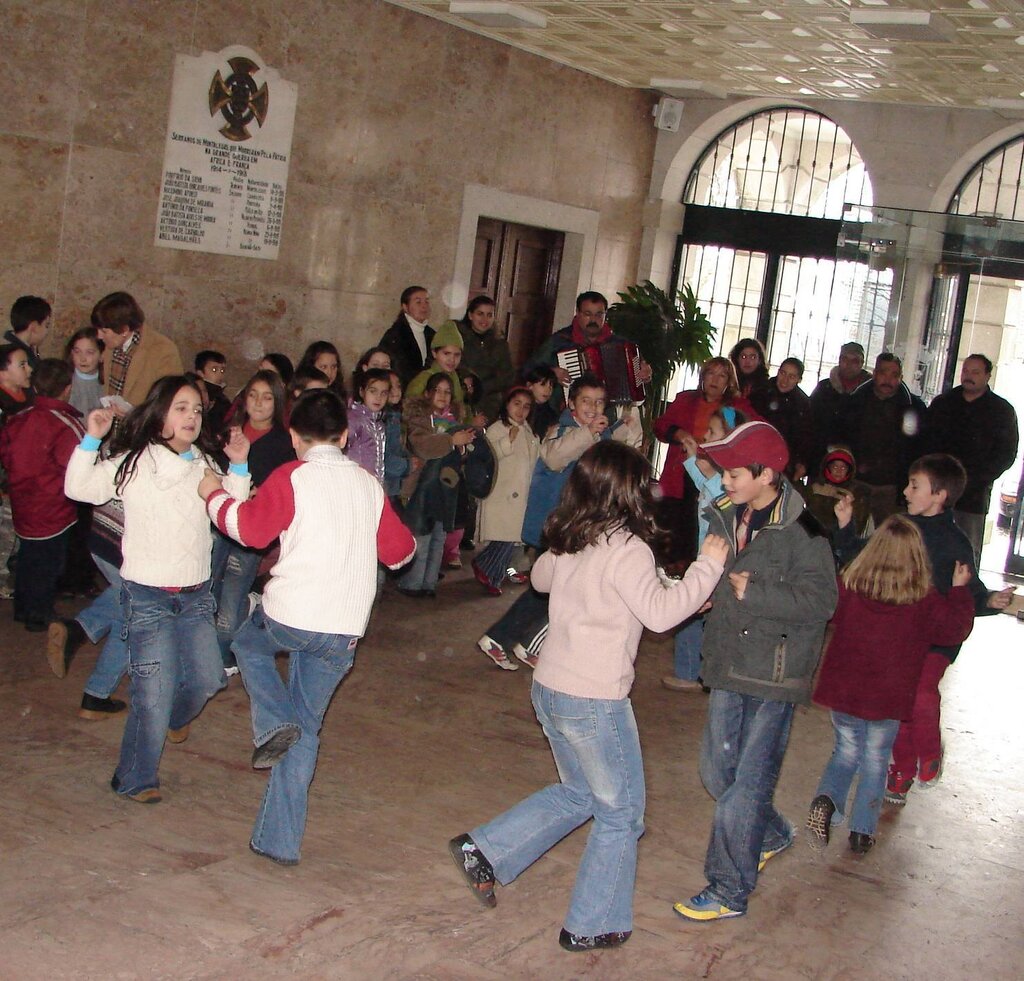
(762, 640)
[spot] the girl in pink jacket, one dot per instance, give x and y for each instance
(605, 588)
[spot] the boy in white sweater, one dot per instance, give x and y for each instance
(334, 522)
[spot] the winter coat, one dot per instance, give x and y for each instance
(874, 659)
(767, 645)
(367, 439)
(981, 434)
(902, 419)
(423, 439)
(35, 447)
(501, 513)
(487, 356)
(946, 545)
(821, 495)
(153, 357)
(826, 401)
(401, 346)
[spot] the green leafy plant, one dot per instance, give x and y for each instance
(670, 330)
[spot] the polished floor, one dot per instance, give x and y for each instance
(425, 739)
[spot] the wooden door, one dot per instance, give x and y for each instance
(518, 265)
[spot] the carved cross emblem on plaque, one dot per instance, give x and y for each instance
(238, 100)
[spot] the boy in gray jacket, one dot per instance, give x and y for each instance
(762, 642)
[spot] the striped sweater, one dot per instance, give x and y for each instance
(334, 523)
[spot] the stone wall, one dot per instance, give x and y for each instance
(397, 113)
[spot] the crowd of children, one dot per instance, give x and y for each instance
(318, 489)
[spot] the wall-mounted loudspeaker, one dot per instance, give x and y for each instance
(668, 114)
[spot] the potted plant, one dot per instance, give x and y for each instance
(670, 330)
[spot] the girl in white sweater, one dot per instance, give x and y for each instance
(174, 663)
(605, 588)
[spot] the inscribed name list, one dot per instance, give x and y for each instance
(229, 140)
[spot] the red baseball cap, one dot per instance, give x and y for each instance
(753, 442)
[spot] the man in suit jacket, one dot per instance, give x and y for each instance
(408, 339)
(134, 356)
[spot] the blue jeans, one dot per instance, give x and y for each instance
(597, 751)
(689, 642)
(316, 664)
(233, 571)
(744, 742)
(174, 669)
(862, 747)
(104, 618)
(426, 564)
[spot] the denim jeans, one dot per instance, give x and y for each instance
(103, 618)
(688, 645)
(316, 664)
(41, 562)
(862, 748)
(597, 751)
(744, 742)
(174, 669)
(233, 572)
(920, 737)
(426, 564)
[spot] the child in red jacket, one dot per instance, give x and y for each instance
(35, 447)
(889, 616)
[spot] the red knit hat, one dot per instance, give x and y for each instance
(753, 442)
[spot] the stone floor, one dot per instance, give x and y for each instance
(426, 739)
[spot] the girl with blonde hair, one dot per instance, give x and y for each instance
(889, 616)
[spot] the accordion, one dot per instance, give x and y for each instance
(616, 363)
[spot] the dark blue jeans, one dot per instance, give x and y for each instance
(233, 572)
(744, 741)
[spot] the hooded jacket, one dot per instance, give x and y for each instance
(767, 645)
(822, 494)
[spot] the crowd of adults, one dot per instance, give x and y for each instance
(871, 417)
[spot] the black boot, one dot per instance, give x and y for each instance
(860, 843)
(99, 708)
(64, 637)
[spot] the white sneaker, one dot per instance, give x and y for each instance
(232, 671)
(496, 653)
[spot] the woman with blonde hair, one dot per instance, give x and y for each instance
(889, 616)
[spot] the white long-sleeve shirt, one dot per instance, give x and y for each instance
(167, 534)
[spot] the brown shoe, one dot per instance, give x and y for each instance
(178, 735)
(63, 638)
(151, 795)
(673, 683)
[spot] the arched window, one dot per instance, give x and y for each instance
(993, 188)
(764, 205)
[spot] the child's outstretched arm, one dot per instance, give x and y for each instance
(254, 523)
(659, 607)
(87, 479)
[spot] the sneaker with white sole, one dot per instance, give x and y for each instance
(496, 653)
(704, 907)
(930, 772)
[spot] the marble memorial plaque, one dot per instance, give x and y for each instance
(229, 140)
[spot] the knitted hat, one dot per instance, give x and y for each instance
(753, 442)
(447, 335)
(838, 455)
